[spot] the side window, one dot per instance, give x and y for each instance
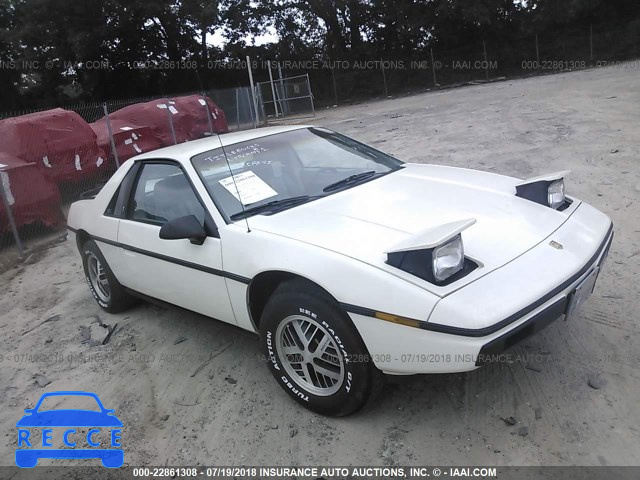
(111, 208)
(163, 193)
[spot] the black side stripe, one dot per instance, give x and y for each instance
(482, 332)
(425, 325)
(176, 261)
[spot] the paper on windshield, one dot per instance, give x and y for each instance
(251, 187)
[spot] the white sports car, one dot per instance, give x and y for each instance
(346, 261)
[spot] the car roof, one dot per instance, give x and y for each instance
(184, 151)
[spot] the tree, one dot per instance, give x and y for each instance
(205, 16)
(9, 70)
(101, 49)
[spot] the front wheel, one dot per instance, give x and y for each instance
(104, 286)
(315, 352)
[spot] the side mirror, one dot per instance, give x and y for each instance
(184, 227)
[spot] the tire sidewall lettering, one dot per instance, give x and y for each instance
(289, 384)
(335, 336)
(272, 356)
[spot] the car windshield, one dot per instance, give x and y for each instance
(287, 169)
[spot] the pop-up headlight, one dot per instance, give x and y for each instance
(448, 259)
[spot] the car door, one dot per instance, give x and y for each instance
(175, 271)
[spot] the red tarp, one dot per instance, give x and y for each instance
(188, 116)
(129, 140)
(32, 196)
(58, 141)
(194, 105)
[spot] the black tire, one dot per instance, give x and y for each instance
(118, 299)
(296, 304)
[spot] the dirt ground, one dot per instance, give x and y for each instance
(194, 391)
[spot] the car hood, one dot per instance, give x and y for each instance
(69, 418)
(367, 220)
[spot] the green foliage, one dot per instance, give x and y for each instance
(76, 50)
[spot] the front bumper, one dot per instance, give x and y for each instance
(491, 351)
(493, 314)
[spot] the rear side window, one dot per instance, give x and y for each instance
(163, 193)
(111, 208)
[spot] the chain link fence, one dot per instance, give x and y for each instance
(285, 97)
(338, 82)
(48, 158)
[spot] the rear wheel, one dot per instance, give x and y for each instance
(104, 286)
(315, 352)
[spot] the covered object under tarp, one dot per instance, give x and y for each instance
(129, 140)
(32, 196)
(58, 141)
(187, 114)
(200, 127)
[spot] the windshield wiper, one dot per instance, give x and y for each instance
(358, 177)
(272, 206)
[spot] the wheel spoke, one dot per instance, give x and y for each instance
(306, 374)
(327, 352)
(291, 338)
(326, 372)
(312, 333)
(287, 341)
(300, 334)
(92, 269)
(331, 360)
(324, 342)
(292, 350)
(309, 326)
(321, 380)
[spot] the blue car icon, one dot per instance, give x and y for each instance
(28, 456)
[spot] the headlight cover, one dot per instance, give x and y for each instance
(549, 193)
(435, 254)
(555, 194)
(448, 259)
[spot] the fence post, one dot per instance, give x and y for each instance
(173, 130)
(335, 87)
(261, 103)
(537, 51)
(249, 104)
(253, 92)
(282, 93)
(313, 107)
(384, 79)
(238, 106)
(486, 60)
(206, 106)
(433, 69)
(591, 42)
(111, 139)
(7, 208)
(273, 91)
